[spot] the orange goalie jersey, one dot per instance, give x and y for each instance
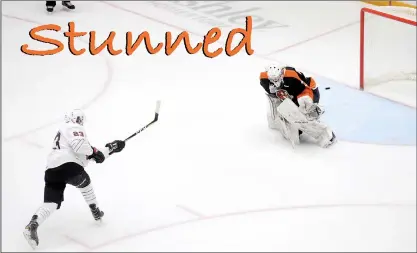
(294, 82)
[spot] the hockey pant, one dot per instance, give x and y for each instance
(70, 173)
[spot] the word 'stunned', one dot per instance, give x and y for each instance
(211, 36)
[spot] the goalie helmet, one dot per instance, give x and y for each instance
(75, 116)
(275, 74)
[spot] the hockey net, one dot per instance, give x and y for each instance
(387, 45)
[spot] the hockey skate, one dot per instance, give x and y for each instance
(31, 232)
(97, 213)
(329, 143)
(49, 9)
(68, 5)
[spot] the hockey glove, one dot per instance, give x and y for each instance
(283, 94)
(314, 112)
(273, 88)
(97, 156)
(115, 146)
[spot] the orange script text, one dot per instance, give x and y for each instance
(170, 46)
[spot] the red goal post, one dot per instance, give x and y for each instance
(364, 39)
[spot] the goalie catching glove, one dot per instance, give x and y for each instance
(311, 110)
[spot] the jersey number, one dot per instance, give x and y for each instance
(78, 134)
(56, 141)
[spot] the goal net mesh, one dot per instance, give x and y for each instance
(388, 46)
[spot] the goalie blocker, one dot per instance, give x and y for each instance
(293, 105)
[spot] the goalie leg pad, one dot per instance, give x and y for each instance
(319, 131)
(288, 110)
(327, 139)
(272, 114)
(289, 131)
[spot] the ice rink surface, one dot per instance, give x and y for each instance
(210, 175)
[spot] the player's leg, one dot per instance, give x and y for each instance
(53, 197)
(289, 131)
(82, 182)
(295, 101)
(327, 138)
(68, 4)
(322, 133)
(50, 5)
(314, 128)
(272, 115)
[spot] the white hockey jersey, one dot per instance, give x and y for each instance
(71, 145)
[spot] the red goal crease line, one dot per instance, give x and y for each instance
(390, 3)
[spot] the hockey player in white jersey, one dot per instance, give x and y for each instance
(71, 152)
(294, 105)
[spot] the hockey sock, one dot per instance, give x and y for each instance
(45, 211)
(88, 194)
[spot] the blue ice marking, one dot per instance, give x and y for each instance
(359, 116)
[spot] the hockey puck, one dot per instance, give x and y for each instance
(327, 88)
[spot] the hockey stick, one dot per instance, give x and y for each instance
(158, 104)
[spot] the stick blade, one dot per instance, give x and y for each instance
(158, 105)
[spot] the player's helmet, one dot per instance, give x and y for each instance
(75, 116)
(274, 73)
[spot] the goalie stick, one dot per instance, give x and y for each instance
(158, 104)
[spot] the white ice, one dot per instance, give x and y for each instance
(209, 175)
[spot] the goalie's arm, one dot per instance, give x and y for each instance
(312, 84)
(316, 95)
(305, 100)
(265, 83)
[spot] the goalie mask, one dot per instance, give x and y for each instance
(275, 74)
(75, 116)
